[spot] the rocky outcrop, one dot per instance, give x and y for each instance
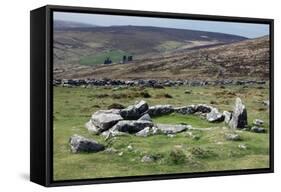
(81, 144)
(239, 115)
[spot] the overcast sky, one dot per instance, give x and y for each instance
(242, 29)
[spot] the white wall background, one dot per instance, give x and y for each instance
(14, 95)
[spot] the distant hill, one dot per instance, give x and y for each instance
(248, 59)
(77, 43)
(63, 25)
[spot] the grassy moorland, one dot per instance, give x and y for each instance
(190, 151)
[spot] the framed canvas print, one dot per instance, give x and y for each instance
(122, 95)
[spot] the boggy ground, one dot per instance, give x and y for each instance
(191, 151)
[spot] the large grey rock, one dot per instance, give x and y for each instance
(227, 116)
(258, 129)
(239, 115)
(186, 110)
(131, 126)
(172, 129)
(105, 119)
(160, 110)
(134, 112)
(82, 144)
(215, 116)
(145, 117)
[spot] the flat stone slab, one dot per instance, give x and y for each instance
(158, 110)
(132, 126)
(258, 129)
(148, 131)
(172, 129)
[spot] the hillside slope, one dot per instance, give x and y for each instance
(91, 45)
(248, 59)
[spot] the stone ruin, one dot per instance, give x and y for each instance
(136, 120)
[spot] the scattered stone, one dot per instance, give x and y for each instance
(148, 131)
(186, 110)
(203, 108)
(82, 144)
(158, 110)
(145, 117)
(111, 150)
(131, 126)
(150, 83)
(105, 119)
(227, 116)
(258, 122)
(232, 137)
(258, 129)
(120, 153)
(134, 112)
(215, 116)
(147, 159)
(195, 137)
(239, 115)
(266, 102)
(109, 134)
(187, 91)
(171, 135)
(172, 129)
(242, 146)
(130, 147)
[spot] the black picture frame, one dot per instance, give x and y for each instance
(41, 58)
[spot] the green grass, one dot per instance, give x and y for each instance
(208, 152)
(193, 120)
(115, 55)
